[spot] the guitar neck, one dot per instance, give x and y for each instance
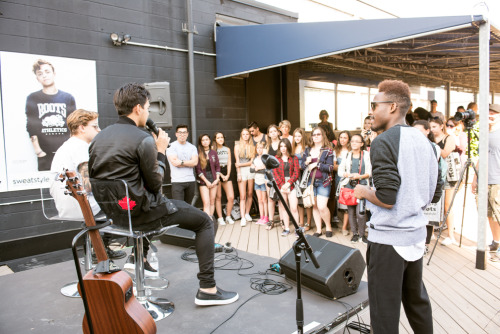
(81, 196)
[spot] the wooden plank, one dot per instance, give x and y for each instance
(263, 240)
(253, 240)
(446, 322)
(235, 234)
(226, 233)
(274, 246)
(244, 236)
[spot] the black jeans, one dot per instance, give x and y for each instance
(183, 191)
(190, 218)
(356, 220)
(392, 280)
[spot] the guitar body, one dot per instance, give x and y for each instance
(113, 306)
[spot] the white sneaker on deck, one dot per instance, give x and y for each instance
(243, 222)
(248, 217)
(229, 220)
(221, 221)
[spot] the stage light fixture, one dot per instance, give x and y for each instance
(126, 38)
(117, 39)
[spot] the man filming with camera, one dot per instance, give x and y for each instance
(493, 179)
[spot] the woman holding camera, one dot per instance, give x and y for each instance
(356, 168)
(318, 159)
(447, 145)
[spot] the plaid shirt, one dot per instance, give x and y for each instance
(279, 173)
(325, 164)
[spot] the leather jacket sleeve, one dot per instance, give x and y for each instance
(152, 170)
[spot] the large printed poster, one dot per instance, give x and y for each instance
(3, 172)
(39, 93)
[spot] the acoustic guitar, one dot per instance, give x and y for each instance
(112, 306)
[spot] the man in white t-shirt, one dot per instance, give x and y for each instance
(434, 112)
(74, 155)
(182, 158)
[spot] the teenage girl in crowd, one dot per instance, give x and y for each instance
(349, 169)
(367, 133)
(272, 147)
(298, 148)
(286, 175)
(207, 170)
(285, 127)
(447, 145)
(341, 151)
(244, 152)
(456, 130)
(224, 154)
(425, 128)
(318, 158)
(260, 184)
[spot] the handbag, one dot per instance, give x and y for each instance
(346, 194)
(308, 193)
(454, 166)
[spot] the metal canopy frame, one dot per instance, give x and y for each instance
(439, 59)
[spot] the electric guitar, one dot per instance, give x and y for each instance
(111, 302)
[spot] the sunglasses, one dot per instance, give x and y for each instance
(374, 104)
(450, 125)
(316, 134)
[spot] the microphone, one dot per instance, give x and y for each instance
(362, 206)
(151, 125)
(270, 162)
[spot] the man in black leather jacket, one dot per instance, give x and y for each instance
(126, 151)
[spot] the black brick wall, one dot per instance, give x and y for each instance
(81, 29)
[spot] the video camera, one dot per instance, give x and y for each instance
(468, 117)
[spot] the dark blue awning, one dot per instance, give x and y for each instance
(244, 49)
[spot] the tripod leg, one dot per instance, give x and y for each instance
(462, 172)
(467, 165)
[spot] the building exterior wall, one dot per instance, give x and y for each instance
(81, 29)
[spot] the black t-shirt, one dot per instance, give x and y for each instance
(46, 118)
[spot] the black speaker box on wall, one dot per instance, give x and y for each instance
(178, 237)
(340, 272)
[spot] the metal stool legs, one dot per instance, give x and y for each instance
(159, 308)
(71, 289)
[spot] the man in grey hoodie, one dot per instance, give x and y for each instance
(405, 176)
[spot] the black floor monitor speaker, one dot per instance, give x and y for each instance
(340, 271)
(178, 237)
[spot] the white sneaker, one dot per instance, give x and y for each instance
(221, 221)
(446, 242)
(248, 217)
(229, 220)
(243, 222)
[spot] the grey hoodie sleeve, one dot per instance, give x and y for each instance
(384, 158)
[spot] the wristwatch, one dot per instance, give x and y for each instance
(182, 162)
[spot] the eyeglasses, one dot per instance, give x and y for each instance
(374, 104)
(316, 134)
(182, 132)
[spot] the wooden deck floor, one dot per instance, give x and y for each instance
(464, 299)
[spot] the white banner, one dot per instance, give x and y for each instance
(39, 92)
(3, 169)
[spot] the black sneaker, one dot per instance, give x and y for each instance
(355, 239)
(115, 255)
(494, 246)
(364, 240)
(220, 298)
(148, 270)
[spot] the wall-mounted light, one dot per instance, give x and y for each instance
(119, 39)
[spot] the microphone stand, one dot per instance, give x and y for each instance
(299, 246)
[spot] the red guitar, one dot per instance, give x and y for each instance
(111, 302)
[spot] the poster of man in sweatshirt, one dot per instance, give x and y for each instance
(40, 92)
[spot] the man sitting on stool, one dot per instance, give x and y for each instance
(74, 155)
(125, 151)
